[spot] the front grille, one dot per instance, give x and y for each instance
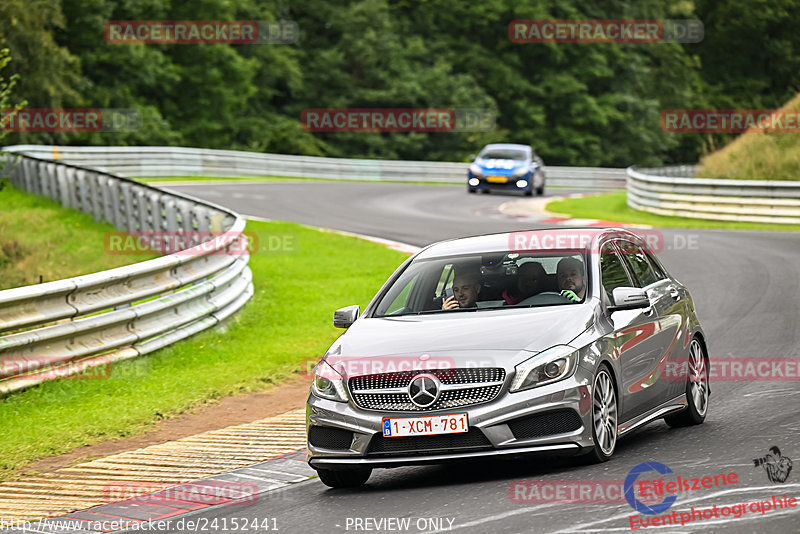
(546, 424)
(485, 385)
(411, 445)
(326, 437)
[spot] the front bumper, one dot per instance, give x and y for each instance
(554, 419)
(509, 185)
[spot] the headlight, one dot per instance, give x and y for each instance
(522, 183)
(327, 383)
(474, 182)
(551, 365)
(475, 170)
(519, 173)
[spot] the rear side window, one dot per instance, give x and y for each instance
(639, 264)
(612, 272)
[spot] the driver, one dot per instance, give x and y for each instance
(571, 279)
(466, 287)
(530, 278)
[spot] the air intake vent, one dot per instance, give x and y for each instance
(326, 437)
(546, 424)
(415, 445)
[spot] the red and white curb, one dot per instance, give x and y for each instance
(535, 211)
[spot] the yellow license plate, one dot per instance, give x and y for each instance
(497, 179)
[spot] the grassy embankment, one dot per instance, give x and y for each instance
(758, 155)
(288, 321)
(752, 155)
(40, 241)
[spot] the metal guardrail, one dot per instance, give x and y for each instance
(674, 191)
(61, 328)
(154, 162)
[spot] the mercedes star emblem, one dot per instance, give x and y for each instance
(423, 390)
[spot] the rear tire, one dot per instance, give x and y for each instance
(698, 390)
(604, 417)
(350, 478)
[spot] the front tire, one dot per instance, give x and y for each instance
(350, 478)
(698, 390)
(604, 416)
(540, 189)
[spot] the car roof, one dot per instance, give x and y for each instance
(507, 145)
(505, 242)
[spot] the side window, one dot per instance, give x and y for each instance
(401, 300)
(612, 272)
(638, 263)
(658, 270)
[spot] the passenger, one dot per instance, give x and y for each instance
(531, 277)
(466, 287)
(571, 279)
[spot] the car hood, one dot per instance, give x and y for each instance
(501, 166)
(462, 335)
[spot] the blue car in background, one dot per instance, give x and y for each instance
(506, 167)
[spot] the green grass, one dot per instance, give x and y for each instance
(39, 240)
(757, 155)
(288, 322)
(614, 207)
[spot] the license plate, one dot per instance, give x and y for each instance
(425, 426)
(497, 179)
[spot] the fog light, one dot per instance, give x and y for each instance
(474, 181)
(522, 183)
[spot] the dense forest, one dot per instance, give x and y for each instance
(576, 103)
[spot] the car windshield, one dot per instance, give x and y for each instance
(504, 153)
(486, 282)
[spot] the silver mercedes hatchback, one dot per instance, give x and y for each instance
(544, 341)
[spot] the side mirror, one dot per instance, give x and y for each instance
(629, 298)
(344, 317)
(472, 157)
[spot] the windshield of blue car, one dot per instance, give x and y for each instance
(496, 153)
(487, 282)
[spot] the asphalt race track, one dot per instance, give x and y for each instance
(746, 287)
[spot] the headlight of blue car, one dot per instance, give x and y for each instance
(475, 171)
